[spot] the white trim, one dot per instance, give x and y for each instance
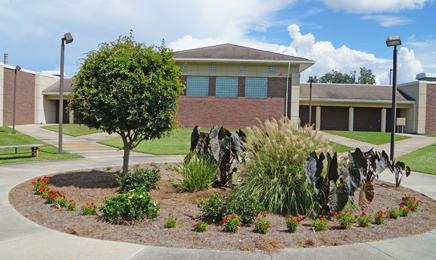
(358, 100)
(55, 93)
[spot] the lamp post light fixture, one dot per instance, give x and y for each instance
(310, 103)
(17, 68)
(66, 39)
(394, 41)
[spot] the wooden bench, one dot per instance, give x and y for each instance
(34, 147)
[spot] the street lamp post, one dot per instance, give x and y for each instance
(66, 39)
(310, 103)
(17, 68)
(394, 41)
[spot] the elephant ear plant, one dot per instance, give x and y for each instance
(335, 190)
(220, 144)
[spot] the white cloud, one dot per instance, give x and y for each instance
(375, 6)
(387, 21)
(425, 52)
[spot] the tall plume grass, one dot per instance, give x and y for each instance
(274, 171)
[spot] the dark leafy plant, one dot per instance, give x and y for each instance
(223, 146)
(399, 169)
(335, 189)
(217, 207)
(145, 179)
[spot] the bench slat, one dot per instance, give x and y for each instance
(20, 146)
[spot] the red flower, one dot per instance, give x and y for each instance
(258, 218)
(337, 218)
(355, 216)
(264, 226)
(237, 227)
(335, 212)
(321, 218)
(287, 215)
(169, 214)
(165, 218)
(233, 216)
(292, 219)
(363, 213)
(346, 211)
(409, 208)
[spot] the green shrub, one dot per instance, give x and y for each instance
(292, 223)
(198, 173)
(262, 225)
(89, 209)
(274, 171)
(320, 224)
(139, 179)
(129, 207)
(410, 202)
(170, 222)
(345, 219)
(380, 217)
(394, 213)
(217, 207)
(404, 211)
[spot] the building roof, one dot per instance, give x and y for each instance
(55, 87)
(235, 53)
(350, 92)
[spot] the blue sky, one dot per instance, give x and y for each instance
(342, 35)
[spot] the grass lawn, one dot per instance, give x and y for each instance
(376, 138)
(178, 142)
(47, 152)
(421, 160)
(72, 129)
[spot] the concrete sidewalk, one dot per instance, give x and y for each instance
(21, 238)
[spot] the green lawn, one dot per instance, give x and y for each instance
(421, 160)
(72, 129)
(376, 138)
(178, 142)
(47, 152)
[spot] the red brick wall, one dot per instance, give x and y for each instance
(430, 111)
(212, 86)
(334, 118)
(25, 98)
(277, 87)
(367, 119)
(232, 113)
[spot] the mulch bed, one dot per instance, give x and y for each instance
(94, 185)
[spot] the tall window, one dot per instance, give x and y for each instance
(226, 87)
(241, 69)
(212, 68)
(197, 86)
(256, 87)
(271, 69)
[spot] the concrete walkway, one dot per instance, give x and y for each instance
(21, 238)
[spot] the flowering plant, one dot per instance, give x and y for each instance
(71, 205)
(380, 217)
(345, 218)
(232, 223)
(262, 225)
(394, 213)
(54, 197)
(320, 224)
(292, 223)
(200, 227)
(404, 211)
(89, 209)
(411, 202)
(170, 222)
(41, 186)
(364, 219)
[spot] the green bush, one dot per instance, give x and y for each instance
(199, 227)
(198, 173)
(217, 207)
(364, 219)
(129, 207)
(262, 225)
(292, 223)
(345, 219)
(139, 179)
(232, 223)
(320, 224)
(274, 171)
(380, 217)
(394, 213)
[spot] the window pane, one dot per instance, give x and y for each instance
(241, 69)
(226, 86)
(197, 86)
(271, 69)
(212, 68)
(256, 87)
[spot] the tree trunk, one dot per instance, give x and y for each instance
(126, 156)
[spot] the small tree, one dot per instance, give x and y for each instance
(128, 88)
(366, 77)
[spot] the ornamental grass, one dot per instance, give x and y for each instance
(274, 170)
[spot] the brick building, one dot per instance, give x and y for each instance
(233, 85)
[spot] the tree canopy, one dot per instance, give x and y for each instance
(128, 88)
(366, 77)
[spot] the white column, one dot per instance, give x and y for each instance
(318, 118)
(295, 98)
(383, 120)
(350, 118)
(1, 93)
(71, 117)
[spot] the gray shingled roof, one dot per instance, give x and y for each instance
(231, 51)
(55, 87)
(350, 91)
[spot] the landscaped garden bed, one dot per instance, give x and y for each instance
(92, 186)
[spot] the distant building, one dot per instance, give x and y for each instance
(233, 85)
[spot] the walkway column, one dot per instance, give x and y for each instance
(383, 120)
(71, 121)
(350, 118)
(294, 100)
(318, 118)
